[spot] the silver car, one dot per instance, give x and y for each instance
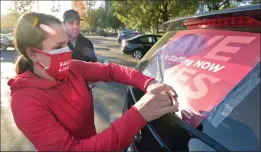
(6, 41)
(126, 34)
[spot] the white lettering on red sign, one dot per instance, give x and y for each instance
(207, 65)
(223, 47)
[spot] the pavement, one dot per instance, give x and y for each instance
(107, 96)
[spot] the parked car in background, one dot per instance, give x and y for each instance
(126, 34)
(101, 32)
(139, 45)
(6, 41)
(213, 64)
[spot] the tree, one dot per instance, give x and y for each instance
(255, 1)
(22, 7)
(212, 5)
(80, 6)
(90, 4)
(11, 17)
(55, 7)
(114, 22)
(149, 14)
(92, 19)
(110, 20)
(8, 21)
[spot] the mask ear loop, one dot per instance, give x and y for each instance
(39, 63)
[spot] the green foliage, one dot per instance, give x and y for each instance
(8, 21)
(145, 15)
(255, 1)
(212, 5)
(103, 18)
(149, 14)
(92, 19)
(11, 17)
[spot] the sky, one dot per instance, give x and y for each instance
(45, 7)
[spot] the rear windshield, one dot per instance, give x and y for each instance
(216, 76)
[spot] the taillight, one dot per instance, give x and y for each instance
(241, 21)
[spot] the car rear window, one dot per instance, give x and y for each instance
(216, 74)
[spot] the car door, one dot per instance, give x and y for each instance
(147, 42)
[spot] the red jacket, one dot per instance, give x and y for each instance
(60, 116)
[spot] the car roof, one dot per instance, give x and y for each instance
(141, 35)
(179, 21)
(126, 30)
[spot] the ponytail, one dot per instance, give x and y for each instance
(22, 65)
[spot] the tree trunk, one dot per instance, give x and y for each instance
(165, 12)
(157, 27)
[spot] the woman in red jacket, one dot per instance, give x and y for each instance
(51, 104)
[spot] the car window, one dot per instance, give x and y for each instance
(157, 38)
(225, 108)
(147, 40)
(243, 122)
(147, 57)
(196, 144)
(10, 37)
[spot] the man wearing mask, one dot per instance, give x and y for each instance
(81, 46)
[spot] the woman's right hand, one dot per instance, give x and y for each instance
(157, 102)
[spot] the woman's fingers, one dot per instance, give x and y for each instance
(173, 92)
(165, 99)
(159, 100)
(165, 103)
(175, 101)
(159, 88)
(169, 109)
(155, 85)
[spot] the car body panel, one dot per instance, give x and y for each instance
(101, 32)
(231, 11)
(126, 35)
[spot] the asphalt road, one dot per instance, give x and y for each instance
(107, 96)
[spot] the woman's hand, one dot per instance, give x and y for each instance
(157, 102)
(154, 84)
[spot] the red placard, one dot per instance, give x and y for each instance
(203, 66)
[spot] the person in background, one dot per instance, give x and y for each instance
(81, 46)
(50, 101)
